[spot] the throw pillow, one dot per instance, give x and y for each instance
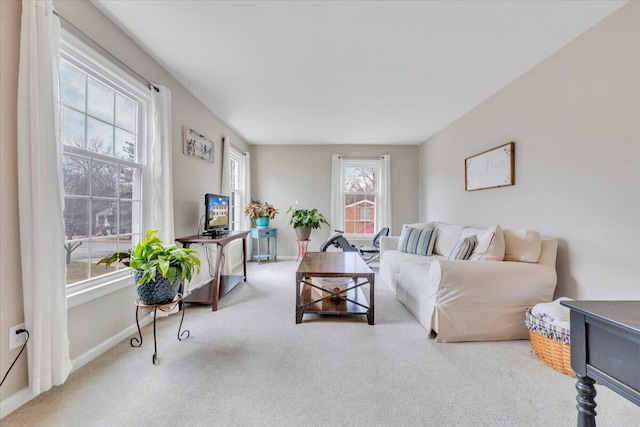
(448, 235)
(522, 245)
(463, 248)
(419, 225)
(418, 241)
(490, 246)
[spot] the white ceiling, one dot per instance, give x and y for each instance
(349, 72)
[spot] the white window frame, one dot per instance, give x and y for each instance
(88, 60)
(237, 191)
(360, 162)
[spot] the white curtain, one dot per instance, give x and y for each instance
(225, 181)
(246, 222)
(384, 212)
(337, 206)
(160, 173)
(40, 198)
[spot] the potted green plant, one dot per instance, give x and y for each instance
(158, 269)
(303, 220)
(261, 213)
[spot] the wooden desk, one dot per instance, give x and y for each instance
(220, 285)
(605, 347)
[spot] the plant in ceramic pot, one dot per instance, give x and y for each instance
(303, 220)
(158, 269)
(261, 213)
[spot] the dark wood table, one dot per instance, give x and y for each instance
(221, 284)
(314, 291)
(605, 347)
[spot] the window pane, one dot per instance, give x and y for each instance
(75, 174)
(125, 145)
(126, 183)
(103, 216)
(73, 85)
(233, 171)
(131, 225)
(360, 179)
(99, 137)
(77, 265)
(104, 180)
(100, 101)
(99, 249)
(126, 113)
(76, 218)
(72, 128)
(126, 217)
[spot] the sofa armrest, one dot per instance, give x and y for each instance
(490, 282)
(389, 242)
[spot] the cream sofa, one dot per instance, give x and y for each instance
(480, 299)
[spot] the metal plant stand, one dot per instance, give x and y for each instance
(148, 308)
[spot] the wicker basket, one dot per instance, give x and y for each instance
(548, 349)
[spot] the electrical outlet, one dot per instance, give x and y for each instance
(16, 340)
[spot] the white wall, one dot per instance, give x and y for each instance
(93, 323)
(282, 174)
(575, 120)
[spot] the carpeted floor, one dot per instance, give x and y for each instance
(249, 364)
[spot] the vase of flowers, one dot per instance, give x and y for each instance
(261, 213)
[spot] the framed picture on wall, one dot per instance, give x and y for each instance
(490, 169)
(196, 145)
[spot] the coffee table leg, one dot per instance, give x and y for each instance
(371, 312)
(299, 310)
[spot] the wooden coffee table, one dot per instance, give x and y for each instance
(331, 283)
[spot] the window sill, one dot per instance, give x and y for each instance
(82, 295)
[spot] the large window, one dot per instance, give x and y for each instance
(360, 195)
(237, 166)
(103, 129)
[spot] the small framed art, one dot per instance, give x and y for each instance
(196, 145)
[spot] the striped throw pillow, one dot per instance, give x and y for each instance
(463, 248)
(418, 241)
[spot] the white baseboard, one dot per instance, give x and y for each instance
(15, 401)
(23, 396)
(96, 351)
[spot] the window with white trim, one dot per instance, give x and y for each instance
(360, 188)
(237, 164)
(103, 129)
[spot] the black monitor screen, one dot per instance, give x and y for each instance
(216, 212)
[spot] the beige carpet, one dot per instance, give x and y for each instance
(249, 364)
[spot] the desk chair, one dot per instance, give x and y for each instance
(371, 253)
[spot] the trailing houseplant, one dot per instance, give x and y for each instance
(303, 220)
(158, 269)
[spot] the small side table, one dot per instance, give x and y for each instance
(137, 342)
(265, 233)
(302, 248)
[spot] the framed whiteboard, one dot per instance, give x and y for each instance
(491, 168)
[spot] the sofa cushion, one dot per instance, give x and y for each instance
(417, 241)
(463, 248)
(522, 245)
(446, 237)
(393, 259)
(490, 246)
(472, 232)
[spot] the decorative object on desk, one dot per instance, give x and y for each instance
(261, 213)
(491, 168)
(303, 220)
(158, 269)
(197, 145)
